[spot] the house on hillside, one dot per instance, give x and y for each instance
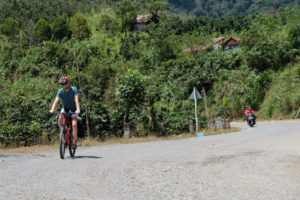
(231, 43)
(196, 48)
(142, 21)
(217, 43)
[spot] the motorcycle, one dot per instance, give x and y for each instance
(251, 119)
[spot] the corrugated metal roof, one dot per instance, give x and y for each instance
(143, 18)
(197, 48)
(227, 42)
(215, 40)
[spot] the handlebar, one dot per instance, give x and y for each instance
(70, 113)
(59, 112)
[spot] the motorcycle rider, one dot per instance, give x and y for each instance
(249, 110)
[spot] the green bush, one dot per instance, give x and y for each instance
(108, 24)
(60, 28)
(10, 27)
(79, 27)
(99, 120)
(25, 112)
(42, 30)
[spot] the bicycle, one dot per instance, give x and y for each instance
(66, 136)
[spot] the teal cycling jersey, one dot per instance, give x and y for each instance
(68, 98)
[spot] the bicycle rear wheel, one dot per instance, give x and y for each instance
(71, 150)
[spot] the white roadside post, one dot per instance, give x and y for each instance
(196, 95)
(196, 115)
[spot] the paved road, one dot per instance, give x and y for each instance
(258, 163)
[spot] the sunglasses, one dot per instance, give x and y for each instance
(62, 84)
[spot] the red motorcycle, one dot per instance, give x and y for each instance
(250, 117)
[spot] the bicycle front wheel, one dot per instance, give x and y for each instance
(62, 147)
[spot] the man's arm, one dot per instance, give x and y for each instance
(54, 105)
(77, 105)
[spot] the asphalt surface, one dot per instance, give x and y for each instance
(260, 163)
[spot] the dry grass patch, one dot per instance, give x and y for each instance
(208, 132)
(90, 142)
(94, 142)
(32, 149)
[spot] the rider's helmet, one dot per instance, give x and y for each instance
(64, 80)
(248, 107)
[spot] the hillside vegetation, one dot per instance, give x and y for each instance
(221, 8)
(283, 98)
(145, 77)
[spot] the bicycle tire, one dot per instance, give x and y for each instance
(62, 148)
(72, 151)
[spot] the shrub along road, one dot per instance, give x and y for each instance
(256, 163)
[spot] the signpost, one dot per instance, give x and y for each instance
(196, 95)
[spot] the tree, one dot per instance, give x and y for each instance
(188, 5)
(129, 47)
(42, 30)
(108, 24)
(79, 57)
(294, 35)
(24, 10)
(131, 91)
(60, 28)
(154, 6)
(9, 27)
(127, 12)
(159, 43)
(79, 27)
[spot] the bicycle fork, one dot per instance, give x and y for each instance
(61, 134)
(65, 135)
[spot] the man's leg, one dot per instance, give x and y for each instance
(60, 120)
(60, 124)
(74, 126)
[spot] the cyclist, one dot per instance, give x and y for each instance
(70, 102)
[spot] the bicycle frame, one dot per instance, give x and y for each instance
(67, 123)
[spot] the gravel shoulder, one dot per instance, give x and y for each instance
(256, 163)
